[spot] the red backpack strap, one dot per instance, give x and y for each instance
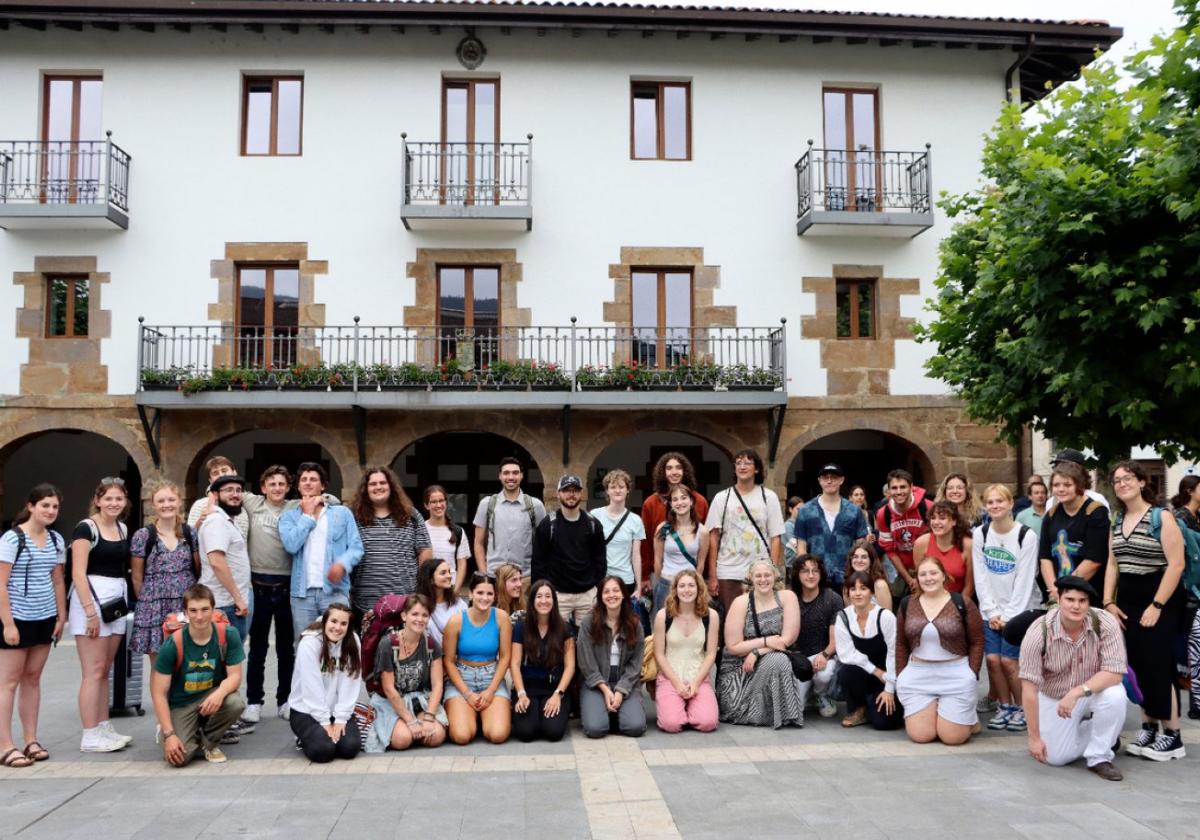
(177, 638)
(221, 627)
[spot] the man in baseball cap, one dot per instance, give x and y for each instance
(829, 525)
(568, 551)
(1073, 455)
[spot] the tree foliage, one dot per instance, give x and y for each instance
(1069, 291)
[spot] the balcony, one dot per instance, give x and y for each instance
(52, 184)
(467, 186)
(863, 193)
(450, 366)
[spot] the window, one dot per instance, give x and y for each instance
(66, 307)
(661, 121)
(470, 138)
(856, 309)
(469, 314)
(71, 128)
(272, 115)
(662, 316)
(268, 315)
(853, 172)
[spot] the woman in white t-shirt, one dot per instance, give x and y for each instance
(449, 540)
(433, 581)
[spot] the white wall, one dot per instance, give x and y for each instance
(172, 101)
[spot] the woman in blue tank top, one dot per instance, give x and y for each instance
(477, 648)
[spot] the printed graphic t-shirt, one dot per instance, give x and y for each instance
(740, 544)
(202, 669)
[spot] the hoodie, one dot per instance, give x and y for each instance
(322, 694)
(899, 529)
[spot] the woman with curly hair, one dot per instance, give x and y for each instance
(395, 541)
(672, 470)
(949, 541)
(956, 489)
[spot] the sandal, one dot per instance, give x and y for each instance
(856, 719)
(36, 752)
(15, 758)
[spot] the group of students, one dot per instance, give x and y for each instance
(892, 611)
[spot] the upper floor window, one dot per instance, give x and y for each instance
(662, 316)
(268, 315)
(73, 157)
(469, 314)
(661, 122)
(856, 309)
(272, 115)
(853, 172)
(66, 307)
(470, 137)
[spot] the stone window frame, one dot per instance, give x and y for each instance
(57, 364)
(72, 306)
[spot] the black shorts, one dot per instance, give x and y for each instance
(33, 633)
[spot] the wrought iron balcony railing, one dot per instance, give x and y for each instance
(467, 174)
(64, 172)
(865, 182)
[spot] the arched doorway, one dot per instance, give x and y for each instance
(467, 464)
(866, 456)
(252, 452)
(637, 455)
(74, 461)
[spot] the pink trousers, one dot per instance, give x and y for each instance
(700, 712)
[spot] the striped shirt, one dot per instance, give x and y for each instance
(30, 585)
(389, 561)
(1068, 664)
(1139, 553)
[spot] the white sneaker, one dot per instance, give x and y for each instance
(826, 707)
(284, 711)
(107, 728)
(99, 741)
(253, 713)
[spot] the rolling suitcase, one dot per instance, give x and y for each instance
(125, 678)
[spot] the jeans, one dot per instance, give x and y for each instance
(597, 721)
(272, 602)
(318, 747)
(239, 622)
(822, 681)
(308, 609)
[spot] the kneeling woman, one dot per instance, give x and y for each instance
(325, 686)
(409, 665)
(611, 643)
(543, 664)
(939, 649)
(685, 648)
(476, 651)
(866, 648)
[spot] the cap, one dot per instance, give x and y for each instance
(1073, 455)
(569, 481)
(830, 468)
(1079, 584)
(227, 479)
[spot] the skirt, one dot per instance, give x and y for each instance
(106, 588)
(950, 683)
(33, 633)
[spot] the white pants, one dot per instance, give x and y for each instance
(821, 681)
(1090, 732)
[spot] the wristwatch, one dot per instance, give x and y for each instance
(1087, 692)
(1157, 604)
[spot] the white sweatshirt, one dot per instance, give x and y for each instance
(1005, 571)
(320, 694)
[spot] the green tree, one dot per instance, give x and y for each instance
(1069, 291)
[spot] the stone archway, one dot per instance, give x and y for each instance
(637, 453)
(252, 450)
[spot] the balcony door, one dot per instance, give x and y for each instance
(72, 151)
(853, 171)
(470, 158)
(268, 316)
(662, 317)
(469, 315)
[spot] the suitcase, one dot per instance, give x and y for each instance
(125, 678)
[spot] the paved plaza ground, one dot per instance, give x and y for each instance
(820, 781)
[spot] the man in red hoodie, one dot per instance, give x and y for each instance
(904, 518)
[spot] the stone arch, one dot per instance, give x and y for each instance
(125, 432)
(643, 447)
(586, 448)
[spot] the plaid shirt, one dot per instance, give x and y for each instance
(833, 547)
(1068, 664)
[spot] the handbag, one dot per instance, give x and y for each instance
(802, 668)
(112, 609)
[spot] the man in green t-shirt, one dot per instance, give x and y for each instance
(196, 699)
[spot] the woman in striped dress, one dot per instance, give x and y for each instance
(395, 541)
(1144, 570)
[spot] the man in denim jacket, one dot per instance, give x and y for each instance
(829, 525)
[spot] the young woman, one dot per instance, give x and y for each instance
(395, 542)
(436, 582)
(99, 565)
(1031, 517)
(792, 507)
(326, 681)
(411, 677)
(866, 651)
(858, 495)
(755, 682)
(623, 533)
(1075, 532)
(476, 652)
(680, 543)
(686, 637)
(1187, 510)
(449, 540)
(510, 591)
(672, 470)
(1145, 566)
(1004, 560)
(819, 606)
(611, 644)
(543, 664)
(949, 542)
(956, 489)
(33, 610)
(938, 656)
(162, 570)
(864, 558)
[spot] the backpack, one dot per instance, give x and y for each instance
(23, 545)
(986, 526)
(173, 629)
(385, 617)
(960, 604)
(1191, 549)
(189, 536)
(490, 533)
(583, 515)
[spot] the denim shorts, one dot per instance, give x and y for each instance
(477, 678)
(994, 643)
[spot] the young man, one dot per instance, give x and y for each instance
(1074, 456)
(214, 468)
(829, 525)
(1072, 663)
(224, 558)
(745, 523)
(196, 695)
(899, 522)
(504, 523)
(568, 551)
(1075, 532)
(623, 531)
(325, 545)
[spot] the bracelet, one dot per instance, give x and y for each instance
(167, 735)
(1110, 603)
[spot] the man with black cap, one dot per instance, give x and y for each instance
(829, 524)
(568, 551)
(1072, 664)
(224, 559)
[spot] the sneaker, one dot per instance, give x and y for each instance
(284, 710)
(1106, 771)
(242, 727)
(1000, 719)
(299, 746)
(1145, 738)
(799, 722)
(99, 741)
(986, 704)
(1016, 720)
(826, 706)
(253, 713)
(107, 727)
(213, 755)
(1166, 746)
(230, 737)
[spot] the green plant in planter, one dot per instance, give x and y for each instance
(545, 374)
(503, 373)
(631, 375)
(742, 374)
(450, 370)
(590, 376)
(171, 376)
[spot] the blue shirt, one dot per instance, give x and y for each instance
(833, 547)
